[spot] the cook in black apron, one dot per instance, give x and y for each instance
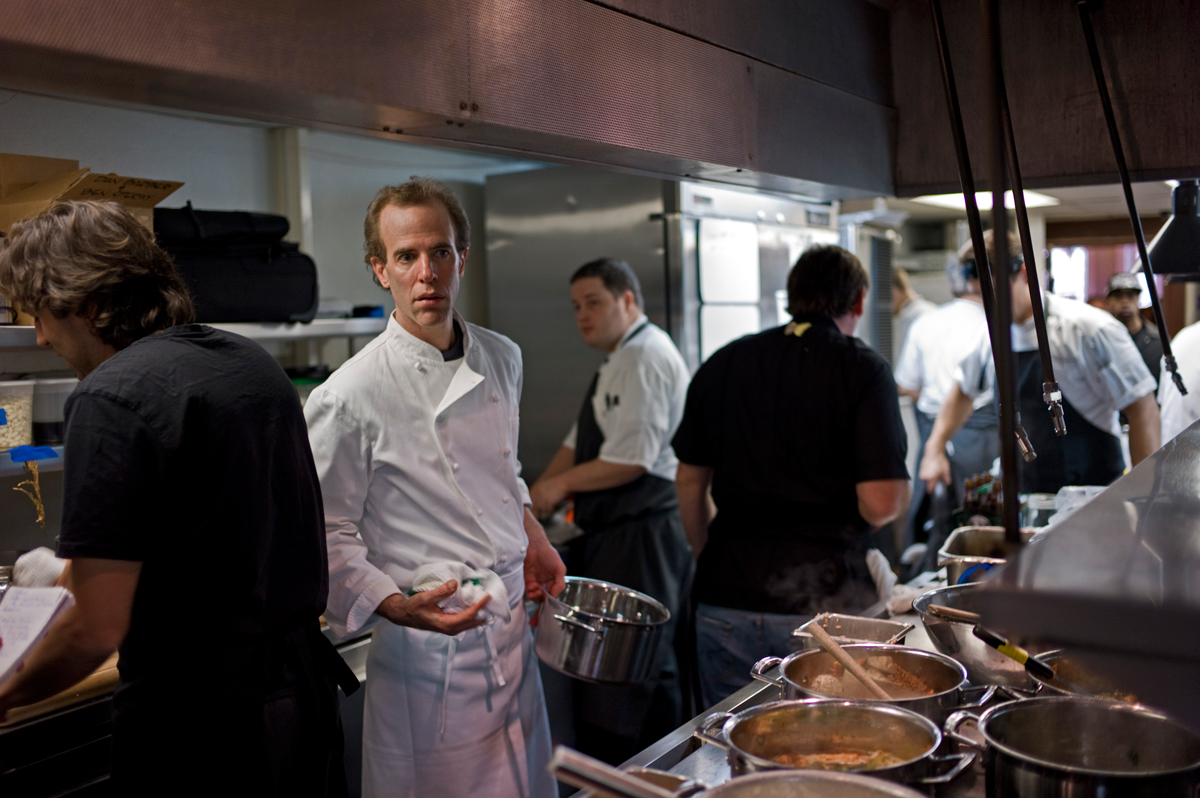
(1086, 455)
(633, 537)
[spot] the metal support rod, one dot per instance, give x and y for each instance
(974, 221)
(1085, 18)
(1050, 392)
(1002, 333)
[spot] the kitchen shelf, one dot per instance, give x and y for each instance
(317, 328)
(17, 336)
(10, 469)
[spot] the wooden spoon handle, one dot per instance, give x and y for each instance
(830, 645)
(950, 613)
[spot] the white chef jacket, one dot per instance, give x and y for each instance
(1098, 368)
(417, 459)
(640, 393)
(1180, 412)
(418, 463)
(937, 342)
(912, 310)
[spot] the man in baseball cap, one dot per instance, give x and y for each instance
(1124, 288)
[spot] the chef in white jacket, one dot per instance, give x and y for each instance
(415, 443)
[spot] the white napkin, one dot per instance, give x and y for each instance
(37, 568)
(473, 585)
(881, 573)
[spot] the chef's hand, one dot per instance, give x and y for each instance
(420, 611)
(546, 494)
(935, 468)
(543, 566)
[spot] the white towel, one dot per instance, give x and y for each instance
(881, 573)
(472, 586)
(37, 568)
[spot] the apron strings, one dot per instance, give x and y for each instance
(451, 650)
(493, 656)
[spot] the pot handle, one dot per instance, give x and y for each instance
(759, 671)
(573, 621)
(706, 731)
(1017, 693)
(964, 761)
(957, 719)
(986, 692)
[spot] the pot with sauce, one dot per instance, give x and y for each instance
(932, 685)
(848, 736)
(1072, 747)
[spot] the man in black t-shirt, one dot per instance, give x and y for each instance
(192, 520)
(797, 433)
(1124, 289)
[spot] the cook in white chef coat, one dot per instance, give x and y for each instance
(415, 443)
(1178, 411)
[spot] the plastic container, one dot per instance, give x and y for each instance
(16, 400)
(49, 401)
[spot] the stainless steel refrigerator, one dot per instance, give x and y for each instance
(712, 263)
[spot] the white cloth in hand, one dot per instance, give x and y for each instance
(901, 598)
(472, 586)
(881, 573)
(37, 568)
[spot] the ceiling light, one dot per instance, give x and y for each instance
(984, 200)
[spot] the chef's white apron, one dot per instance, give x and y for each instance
(439, 722)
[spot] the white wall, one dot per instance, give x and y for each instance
(230, 165)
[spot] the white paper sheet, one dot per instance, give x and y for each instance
(26, 614)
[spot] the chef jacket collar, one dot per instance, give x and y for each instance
(407, 343)
(631, 329)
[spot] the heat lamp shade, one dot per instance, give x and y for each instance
(1176, 248)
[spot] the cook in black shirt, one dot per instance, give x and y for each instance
(797, 432)
(192, 518)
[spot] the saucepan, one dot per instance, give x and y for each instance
(600, 632)
(857, 736)
(932, 685)
(1070, 747)
(582, 771)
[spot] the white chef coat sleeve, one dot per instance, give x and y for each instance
(342, 454)
(1115, 366)
(910, 368)
(639, 424)
(519, 382)
(569, 441)
(975, 373)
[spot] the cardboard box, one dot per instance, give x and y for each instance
(29, 185)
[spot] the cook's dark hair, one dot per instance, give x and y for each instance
(616, 276)
(417, 191)
(826, 281)
(95, 260)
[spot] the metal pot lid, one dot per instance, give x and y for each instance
(586, 612)
(810, 784)
(896, 717)
(879, 649)
(1151, 737)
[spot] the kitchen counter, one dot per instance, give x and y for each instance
(680, 752)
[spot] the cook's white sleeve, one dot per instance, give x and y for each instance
(909, 369)
(975, 373)
(1115, 367)
(519, 381)
(637, 426)
(342, 453)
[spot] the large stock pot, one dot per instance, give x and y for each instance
(1083, 748)
(765, 737)
(600, 632)
(809, 674)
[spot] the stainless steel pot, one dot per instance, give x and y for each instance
(846, 629)
(1083, 748)
(600, 632)
(582, 771)
(971, 552)
(1077, 678)
(755, 737)
(985, 665)
(802, 674)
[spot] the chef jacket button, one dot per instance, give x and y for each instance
(522, 549)
(479, 512)
(495, 398)
(504, 499)
(502, 560)
(441, 419)
(418, 366)
(506, 452)
(454, 466)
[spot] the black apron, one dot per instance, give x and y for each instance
(254, 716)
(1086, 455)
(633, 536)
